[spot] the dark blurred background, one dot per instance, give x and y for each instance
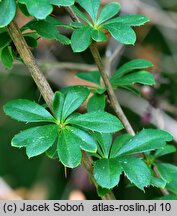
(43, 178)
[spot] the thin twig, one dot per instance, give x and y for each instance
(115, 53)
(64, 65)
(164, 191)
(30, 62)
(157, 15)
(112, 96)
(72, 14)
(112, 57)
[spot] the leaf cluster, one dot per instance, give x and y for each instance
(97, 25)
(119, 156)
(8, 52)
(67, 133)
(42, 25)
(72, 132)
(47, 29)
(126, 76)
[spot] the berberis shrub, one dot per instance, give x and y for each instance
(65, 134)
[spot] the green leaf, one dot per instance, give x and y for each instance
(38, 9)
(96, 103)
(73, 99)
(142, 77)
(27, 111)
(76, 25)
(108, 11)
(7, 56)
(31, 41)
(172, 186)
(131, 89)
(36, 140)
(107, 172)
(105, 142)
(93, 77)
(31, 34)
(166, 171)
(23, 9)
(100, 90)
(62, 2)
(165, 150)
(136, 171)
(62, 39)
(84, 139)
(98, 36)
(81, 15)
(97, 121)
(146, 140)
(7, 12)
(57, 106)
(48, 29)
(52, 151)
(2, 30)
(130, 20)
(81, 39)
(91, 6)
(118, 143)
(102, 191)
(158, 182)
(5, 40)
(121, 32)
(69, 151)
(130, 66)
(52, 20)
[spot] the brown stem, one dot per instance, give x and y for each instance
(72, 14)
(30, 62)
(43, 84)
(163, 190)
(114, 101)
(112, 97)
